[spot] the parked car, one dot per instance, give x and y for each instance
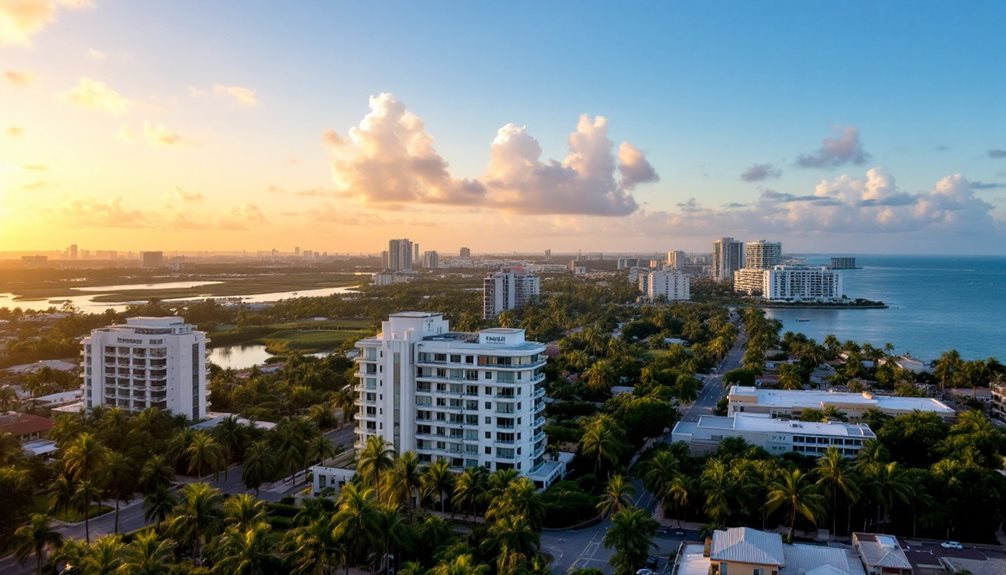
(951, 545)
(645, 571)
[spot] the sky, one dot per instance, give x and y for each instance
(845, 127)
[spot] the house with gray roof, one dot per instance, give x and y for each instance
(881, 554)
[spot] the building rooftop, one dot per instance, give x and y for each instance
(416, 314)
(818, 399)
(20, 424)
(802, 559)
(765, 422)
(881, 551)
(148, 321)
(747, 545)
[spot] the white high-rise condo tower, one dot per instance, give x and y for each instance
(149, 362)
(506, 289)
(762, 255)
(728, 257)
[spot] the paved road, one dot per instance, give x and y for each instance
(131, 514)
(712, 388)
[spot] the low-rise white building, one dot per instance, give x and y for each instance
(789, 404)
(776, 436)
(790, 283)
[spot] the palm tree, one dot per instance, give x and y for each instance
(196, 517)
(658, 473)
(33, 538)
(83, 459)
(10, 448)
(375, 458)
(245, 551)
(312, 548)
(499, 481)
(244, 510)
(890, 484)
(617, 496)
(513, 542)
(463, 564)
(469, 489)
(157, 505)
(392, 532)
(402, 485)
(679, 490)
(834, 473)
(716, 484)
(631, 534)
(62, 495)
(259, 465)
(203, 454)
(87, 491)
(156, 473)
(147, 555)
(600, 376)
(319, 448)
(794, 489)
(120, 480)
(946, 366)
(231, 436)
(355, 521)
(438, 480)
(602, 441)
(519, 498)
(290, 446)
(8, 398)
(104, 557)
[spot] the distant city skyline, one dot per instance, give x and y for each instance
(833, 128)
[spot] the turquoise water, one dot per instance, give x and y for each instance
(936, 303)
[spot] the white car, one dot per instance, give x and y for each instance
(951, 545)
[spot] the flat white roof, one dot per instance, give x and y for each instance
(763, 422)
(817, 399)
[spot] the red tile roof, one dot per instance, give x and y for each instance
(22, 424)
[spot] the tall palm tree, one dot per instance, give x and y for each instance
(245, 551)
(83, 460)
(120, 480)
(62, 495)
(319, 448)
(600, 376)
(196, 518)
(33, 538)
(157, 473)
(10, 448)
(617, 496)
(402, 484)
(157, 505)
(232, 437)
(716, 484)
(104, 557)
(87, 491)
(375, 458)
(602, 441)
(520, 498)
(355, 521)
(834, 473)
(147, 554)
(658, 473)
(679, 490)
(463, 564)
(631, 534)
(513, 542)
(890, 485)
(244, 510)
(8, 398)
(204, 454)
(794, 490)
(393, 535)
(499, 481)
(259, 465)
(469, 489)
(438, 480)
(312, 547)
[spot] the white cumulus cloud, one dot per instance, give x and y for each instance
(95, 95)
(22, 19)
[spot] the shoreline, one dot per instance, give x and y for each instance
(874, 305)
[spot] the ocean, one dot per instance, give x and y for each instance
(935, 303)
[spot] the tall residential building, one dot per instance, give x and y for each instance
(762, 254)
(431, 260)
(471, 399)
(73, 251)
(728, 257)
(676, 259)
(399, 255)
(415, 254)
(548, 256)
(506, 289)
(465, 252)
(152, 259)
(149, 362)
(843, 263)
(668, 284)
(790, 283)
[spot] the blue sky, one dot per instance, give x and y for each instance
(911, 93)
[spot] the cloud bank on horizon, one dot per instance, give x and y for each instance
(389, 159)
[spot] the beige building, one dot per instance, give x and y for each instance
(789, 404)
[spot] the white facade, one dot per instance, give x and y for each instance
(791, 403)
(773, 435)
(509, 288)
(149, 362)
(795, 283)
(762, 254)
(676, 259)
(672, 285)
(728, 257)
(750, 281)
(472, 399)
